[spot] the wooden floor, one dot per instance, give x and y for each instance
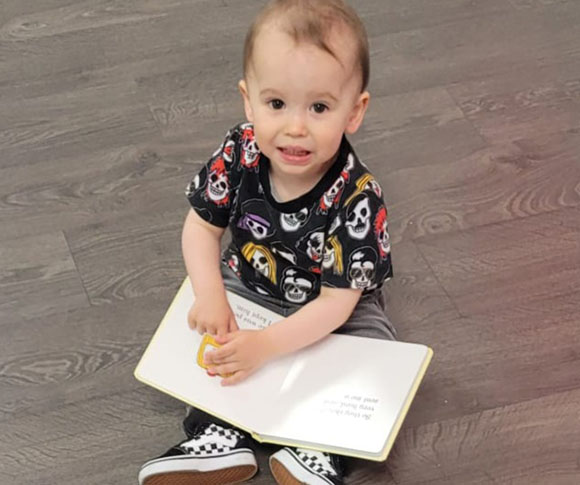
(107, 109)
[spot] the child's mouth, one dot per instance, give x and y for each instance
(294, 154)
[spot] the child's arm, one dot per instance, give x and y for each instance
(244, 352)
(200, 243)
(313, 321)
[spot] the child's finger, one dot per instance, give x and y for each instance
(235, 378)
(222, 330)
(223, 369)
(219, 356)
(223, 339)
(208, 358)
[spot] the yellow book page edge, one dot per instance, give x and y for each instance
(405, 410)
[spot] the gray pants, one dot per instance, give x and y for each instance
(368, 318)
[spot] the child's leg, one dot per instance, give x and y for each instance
(369, 319)
(196, 416)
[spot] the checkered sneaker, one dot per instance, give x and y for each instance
(317, 461)
(212, 440)
(211, 454)
(298, 466)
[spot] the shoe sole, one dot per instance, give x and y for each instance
(288, 469)
(282, 475)
(237, 466)
(218, 477)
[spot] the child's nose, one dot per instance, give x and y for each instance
(296, 125)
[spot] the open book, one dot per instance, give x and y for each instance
(344, 394)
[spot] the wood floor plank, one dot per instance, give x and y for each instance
(111, 183)
(25, 141)
(549, 228)
(91, 35)
(38, 275)
(10, 9)
(536, 3)
(464, 51)
(201, 118)
(60, 105)
(498, 358)
(74, 17)
(138, 414)
(414, 296)
(550, 108)
(129, 262)
(408, 112)
(431, 145)
(538, 264)
(67, 357)
(401, 15)
(515, 444)
(531, 79)
(499, 183)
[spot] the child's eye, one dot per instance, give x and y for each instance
(319, 107)
(276, 104)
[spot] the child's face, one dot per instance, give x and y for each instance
(301, 101)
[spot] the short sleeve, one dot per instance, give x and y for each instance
(211, 191)
(357, 251)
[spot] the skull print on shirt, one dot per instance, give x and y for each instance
(362, 268)
(218, 187)
(358, 217)
(293, 222)
(261, 259)
(332, 258)
(333, 194)
(313, 244)
(297, 284)
(254, 218)
(380, 230)
(250, 154)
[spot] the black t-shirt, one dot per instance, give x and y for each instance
(335, 235)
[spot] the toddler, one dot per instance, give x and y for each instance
(308, 226)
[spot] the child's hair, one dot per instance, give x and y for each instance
(312, 21)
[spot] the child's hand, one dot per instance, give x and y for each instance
(212, 315)
(242, 353)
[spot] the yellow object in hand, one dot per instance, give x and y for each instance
(207, 340)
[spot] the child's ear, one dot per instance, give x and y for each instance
(243, 87)
(358, 113)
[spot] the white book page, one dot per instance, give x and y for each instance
(347, 392)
